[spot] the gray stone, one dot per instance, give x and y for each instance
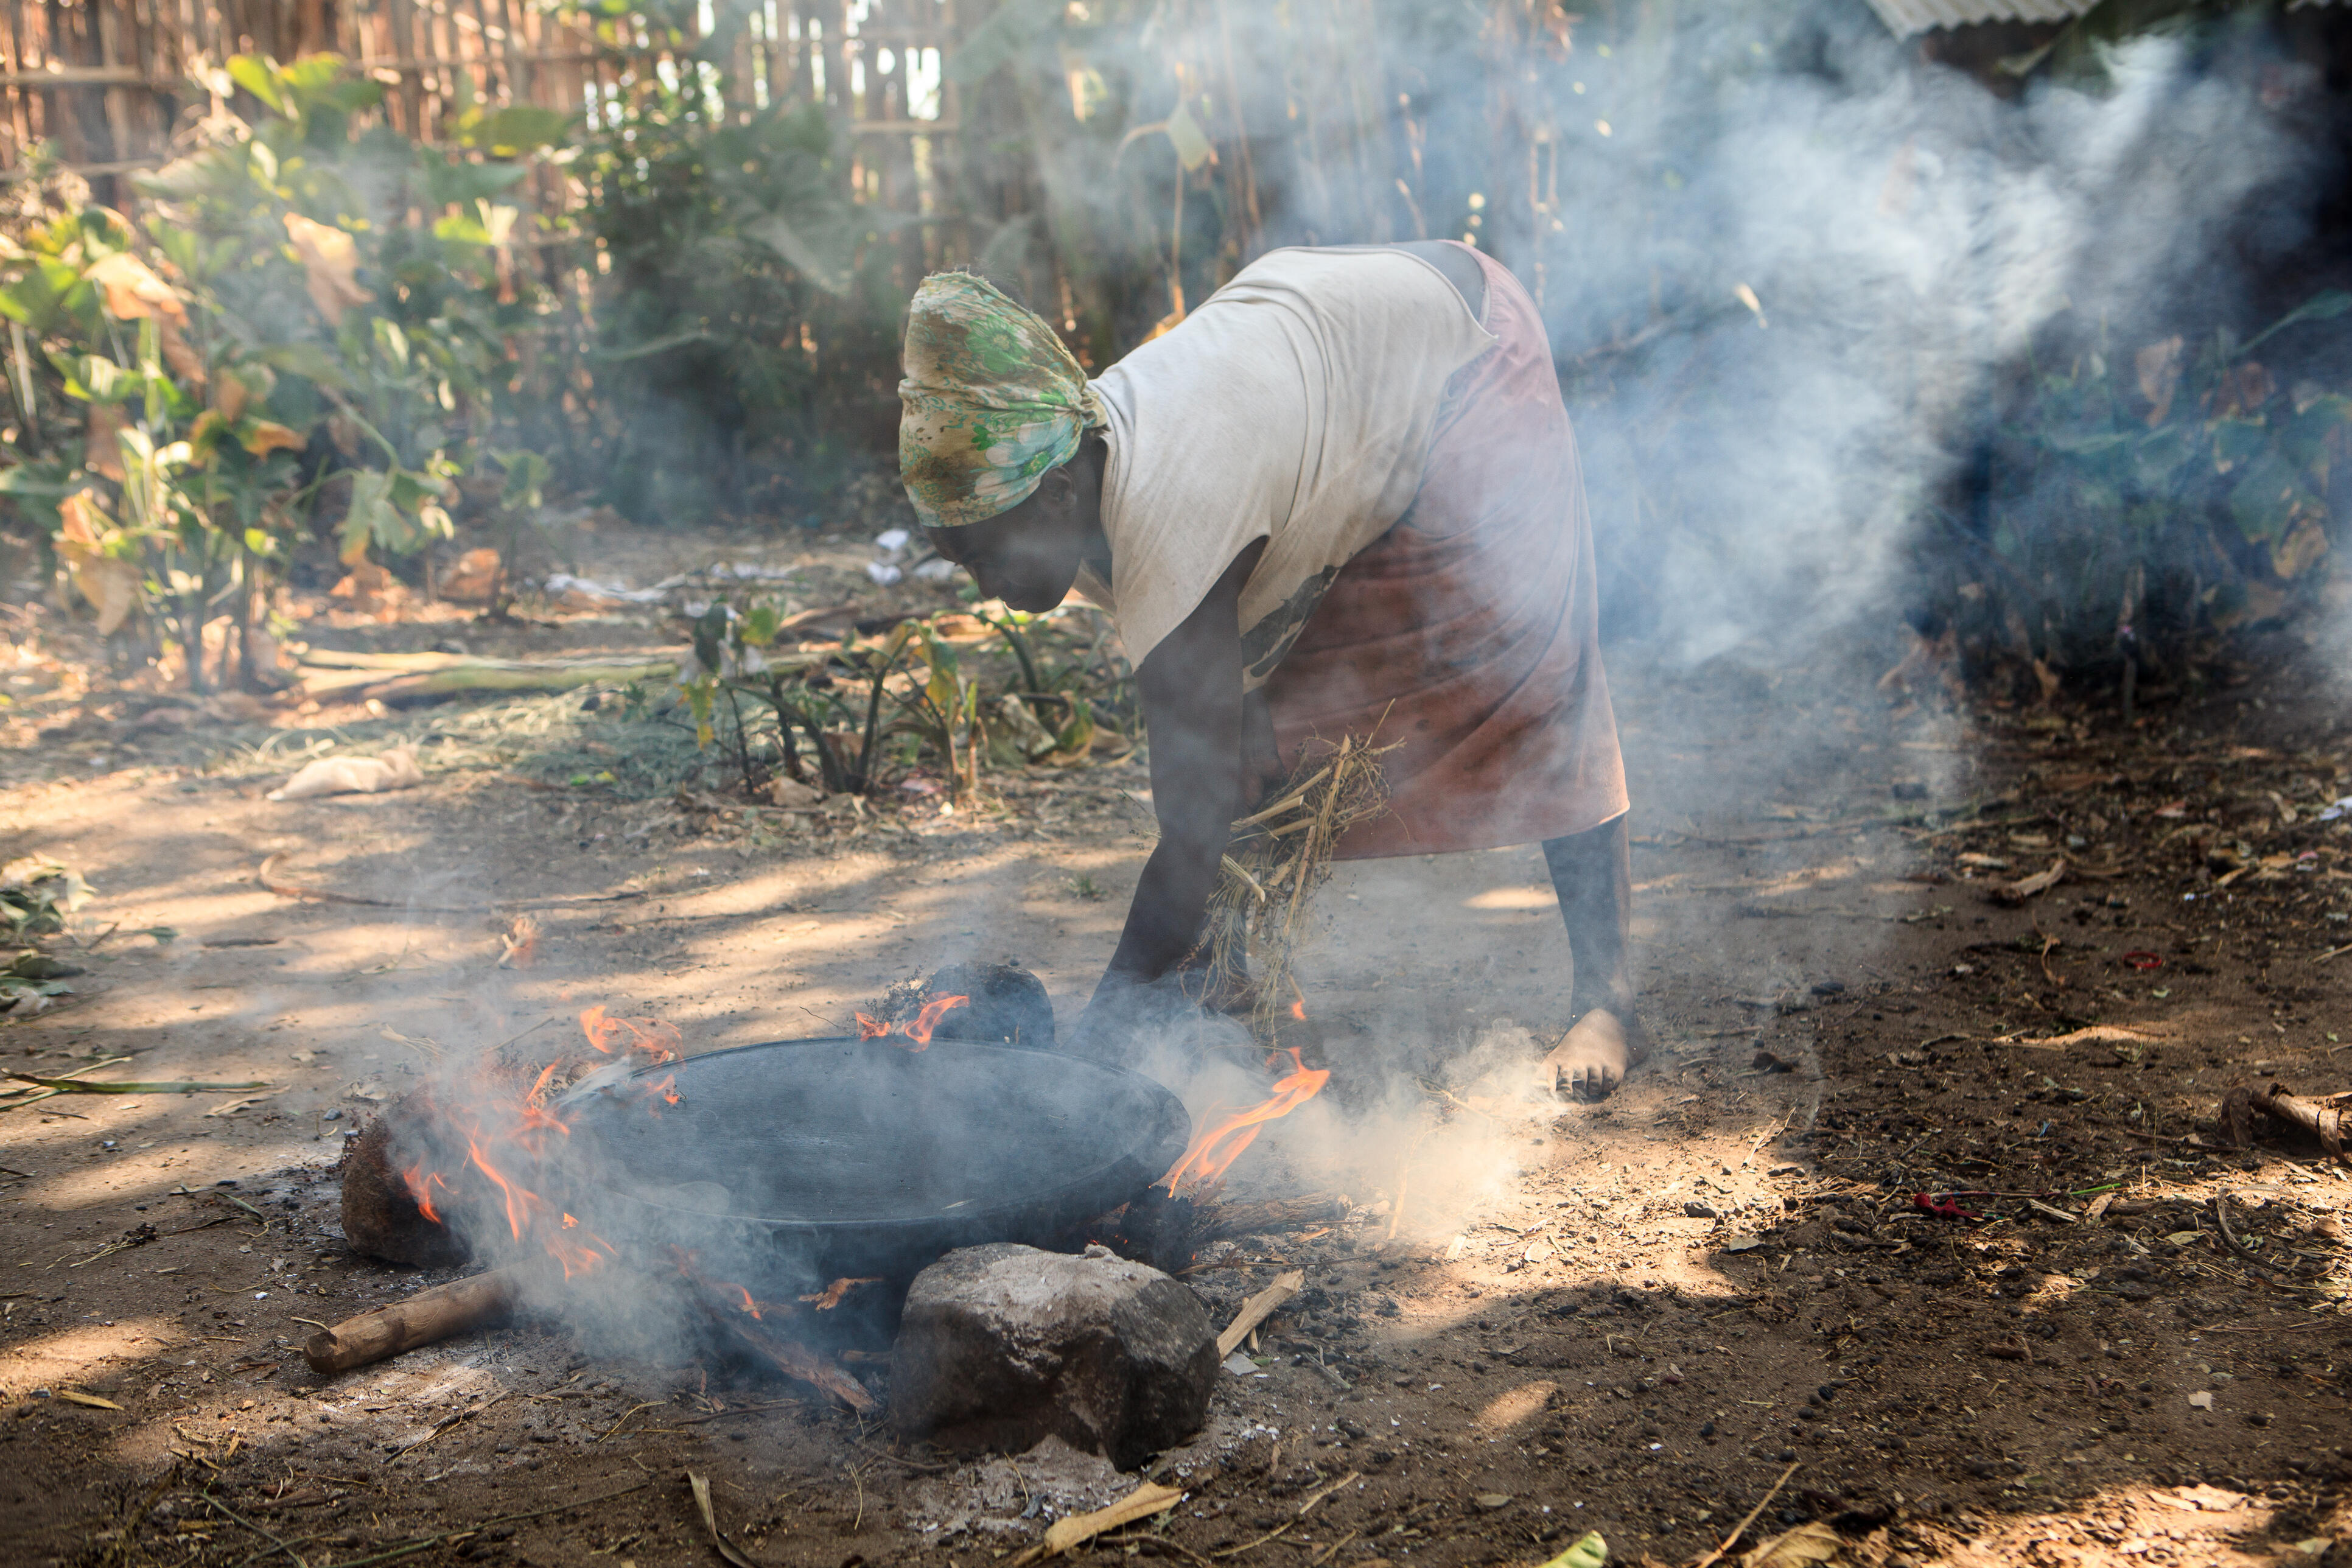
(1001, 1346)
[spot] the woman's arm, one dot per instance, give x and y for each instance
(1192, 691)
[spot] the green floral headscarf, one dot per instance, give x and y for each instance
(992, 400)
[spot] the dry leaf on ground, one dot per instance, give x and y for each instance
(700, 1486)
(1587, 1551)
(1799, 1548)
(75, 1396)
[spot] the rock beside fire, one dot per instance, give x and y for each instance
(1001, 1345)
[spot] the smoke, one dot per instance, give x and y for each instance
(1791, 276)
(1791, 286)
(1418, 1129)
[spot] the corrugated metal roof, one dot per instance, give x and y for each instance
(1909, 16)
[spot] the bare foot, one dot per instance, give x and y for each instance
(1589, 1062)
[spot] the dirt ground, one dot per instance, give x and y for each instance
(1921, 1193)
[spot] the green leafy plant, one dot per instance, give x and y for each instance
(2163, 494)
(277, 346)
(749, 320)
(837, 717)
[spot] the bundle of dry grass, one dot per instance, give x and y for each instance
(1280, 855)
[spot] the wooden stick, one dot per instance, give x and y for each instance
(322, 895)
(1741, 1528)
(426, 1318)
(1258, 1309)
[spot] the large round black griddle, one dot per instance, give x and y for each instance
(816, 1159)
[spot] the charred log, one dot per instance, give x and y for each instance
(1004, 1005)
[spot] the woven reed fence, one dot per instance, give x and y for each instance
(107, 83)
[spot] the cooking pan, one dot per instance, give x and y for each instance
(812, 1160)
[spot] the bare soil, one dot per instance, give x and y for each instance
(1920, 1192)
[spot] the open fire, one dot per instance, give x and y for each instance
(1214, 1149)
(917, 1031)
(510, 1138)
(506, 1133)
(499, 1159)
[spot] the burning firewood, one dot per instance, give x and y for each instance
(914, 1031)
(1166, 1231)
(1169, 1230)
(1276, 1214)
(986, 1002)
(790, 1357)
(448, 1165)
(426, 1318)
(827, 1300)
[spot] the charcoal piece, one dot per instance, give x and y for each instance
(1001, 1346)
(1008, 1004)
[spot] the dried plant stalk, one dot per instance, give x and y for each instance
(1278, 857)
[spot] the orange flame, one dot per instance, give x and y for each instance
(919, 1031)
(420, 1183)
(520, 1200)
(508, 1133)
(1298, 1011)
(684, 1262)
(577, 1258)
(1215, 1149)
(658, 1040)
(830, 1297)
